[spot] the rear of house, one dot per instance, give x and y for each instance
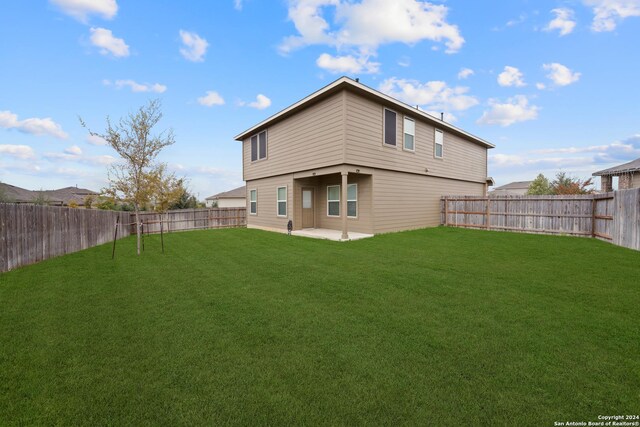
(350, 158)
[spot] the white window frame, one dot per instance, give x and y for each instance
(266, 146)
(404, 132)
(384, 127)
(352, 200)
(256, 202)
(278, 201)
(435, 144)
(333, 201)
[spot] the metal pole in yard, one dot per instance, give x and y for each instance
(115, 236)
(161, 235)
(142, 233)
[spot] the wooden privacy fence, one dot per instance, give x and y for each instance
(33, 233)
(191, 219)
(613, 216)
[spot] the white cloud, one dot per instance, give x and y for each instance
(432, 96)
(74, 154)
(608, 13)
(347, 64)
(511, 76)
(404, 61)
(465, 73)
(195, 47)
(81, 9)
(367, 24)
(617, 151)
(516, 109)
(137, 87)
(517, 21)
(60, 156)
(73, 150)
(34, 126)
(564, 21)
(237, 4)
(524, 160)
(210, 99)
(541, 86)
(18, 151)
(108, 43)
(260, 103)
(575, 159)
(560, 75)
(101, 160)
(96, 140)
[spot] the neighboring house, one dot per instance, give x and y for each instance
(518, 188)
(60, 197)
(236, 198)
(68, 194)
(350, 158)
(628, 176)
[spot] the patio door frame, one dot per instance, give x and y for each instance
(313, 207)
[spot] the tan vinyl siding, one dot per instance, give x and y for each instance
(405, 201)
(267, 202)
(364, 132)
(635, 180)
(311, 138)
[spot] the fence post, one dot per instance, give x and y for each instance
(488, 214)
(446, 212)
(593, 216)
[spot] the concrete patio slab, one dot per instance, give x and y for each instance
(324, 233)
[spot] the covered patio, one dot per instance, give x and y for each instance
(333, 203)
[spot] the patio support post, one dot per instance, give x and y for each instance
(343, 206)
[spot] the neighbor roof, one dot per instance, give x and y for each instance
(344, 83)
(632, 166)
(236, 193)
(16, 194)
(68, 194)
(60, 196)
(514, 185)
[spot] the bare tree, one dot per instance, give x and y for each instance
(135, 180)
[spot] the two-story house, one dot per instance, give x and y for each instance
(350, 158)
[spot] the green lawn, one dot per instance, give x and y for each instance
(430, 327)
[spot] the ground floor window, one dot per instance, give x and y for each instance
(352, 200)
(282, 201)
(253, 202)
(333, 200)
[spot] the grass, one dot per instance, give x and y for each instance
(430, 327)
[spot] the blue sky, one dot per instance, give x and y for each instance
(553, 84)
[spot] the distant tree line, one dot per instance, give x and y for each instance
(561, 185)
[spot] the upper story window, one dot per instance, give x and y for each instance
(390, 127)
(409, 134)
(439, 144)
(259, 146)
